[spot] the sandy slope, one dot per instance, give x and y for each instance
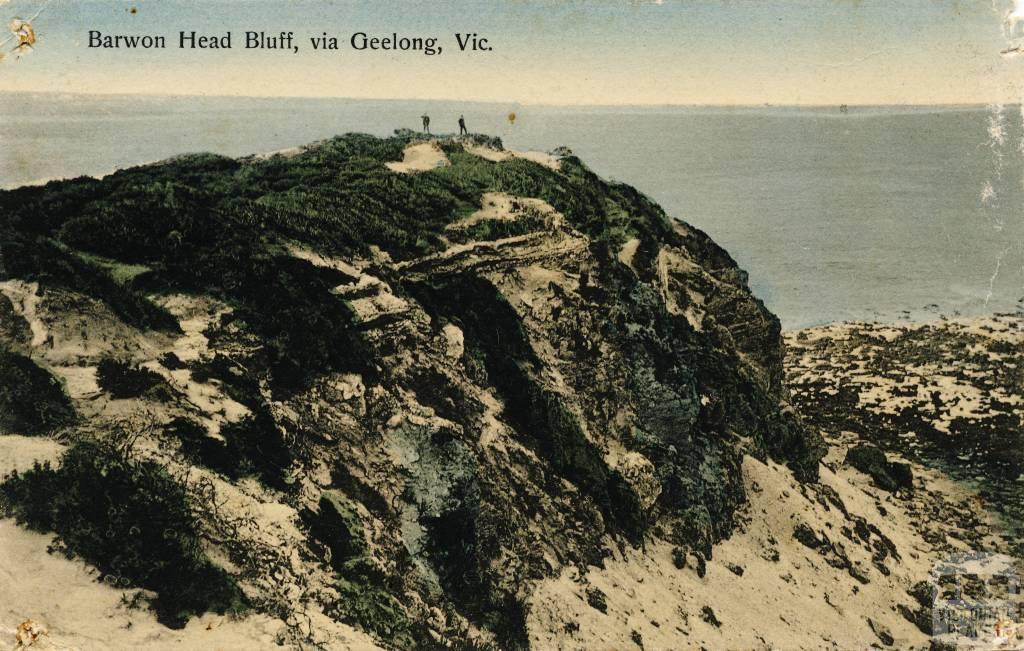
(80, 613)
(788, 596)
(425, 156)
(83, 614)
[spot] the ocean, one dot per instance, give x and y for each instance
(881, 213)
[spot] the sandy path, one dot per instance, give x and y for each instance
(25, 298)
(287, 152)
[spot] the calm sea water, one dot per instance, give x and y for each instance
(874, 214)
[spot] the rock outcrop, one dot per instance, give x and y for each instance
(395, 401)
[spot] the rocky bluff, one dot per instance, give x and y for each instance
(385, 382)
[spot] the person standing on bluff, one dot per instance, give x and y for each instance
(426, 122)
(462, 126)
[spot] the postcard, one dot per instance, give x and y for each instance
(511, 324)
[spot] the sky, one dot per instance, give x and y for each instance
(598, 52)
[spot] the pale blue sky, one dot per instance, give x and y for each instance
(595, 52)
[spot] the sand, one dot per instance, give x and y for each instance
(500, 155)
(500, 206)
(18, 453)
(628, 252)
(796, 602)
(419, 157)
(81, 613)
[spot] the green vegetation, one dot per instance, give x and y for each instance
(365, 601)
(367, 593)
(199, 447)
(339, 528)
(496, 229)
(462, 542)
(122, 274)
(122, 379)
(15, 332)
(216, 225)
(132, 521)
(31, 400)
(258, 445)
(32, 257)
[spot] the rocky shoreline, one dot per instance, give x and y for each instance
(948, 394)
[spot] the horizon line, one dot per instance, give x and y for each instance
(667, 105)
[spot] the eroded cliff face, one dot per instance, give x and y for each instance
(392, 400)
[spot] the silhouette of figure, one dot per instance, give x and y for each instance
(426, 122)
(462, 126)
